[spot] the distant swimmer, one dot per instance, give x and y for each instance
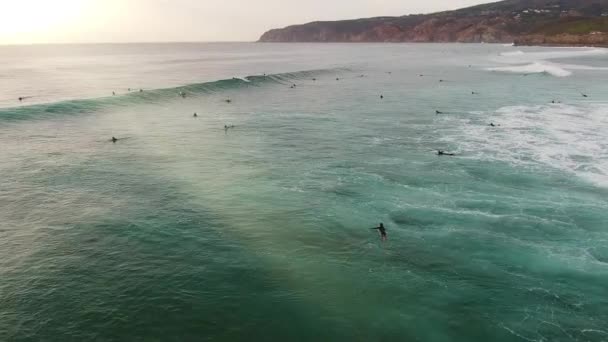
(21, 98)
(440, 80)
(474, 93)
(114, 140)
(337, 79)
(141, 90)
(314, 79)
(381, 96)
(294, 86)
(494, 125)
(437, 112)
(584, 95)
(113, 93)
(128, 89)
(442, 153)
(228, 100)
(420, 75)
(195, 115)
(381, 231)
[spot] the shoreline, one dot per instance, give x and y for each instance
(582, 45)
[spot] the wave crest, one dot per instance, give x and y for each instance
(535, 68)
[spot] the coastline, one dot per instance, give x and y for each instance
(514, 43)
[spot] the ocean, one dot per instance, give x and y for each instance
(184, 230)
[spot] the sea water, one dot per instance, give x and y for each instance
(184, 230)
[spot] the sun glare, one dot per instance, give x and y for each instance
(37, 19)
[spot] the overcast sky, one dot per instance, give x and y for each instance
(52, 21)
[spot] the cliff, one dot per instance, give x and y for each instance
(570, 22)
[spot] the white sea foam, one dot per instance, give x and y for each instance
(555, 53)
(513, 53)
(540, 61)
(569, 138)
(535, 68)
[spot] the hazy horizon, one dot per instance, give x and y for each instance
(183, 21)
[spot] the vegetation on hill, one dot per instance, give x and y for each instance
(504, 21)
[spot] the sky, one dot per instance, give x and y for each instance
(94, 21)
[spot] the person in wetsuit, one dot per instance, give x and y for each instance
(381, 231)
(114, 140)
(443, 153)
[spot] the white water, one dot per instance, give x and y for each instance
(522, 62)
(564, 137)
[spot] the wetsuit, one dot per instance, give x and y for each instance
(382, 231)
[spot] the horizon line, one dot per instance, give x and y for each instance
(134, 42)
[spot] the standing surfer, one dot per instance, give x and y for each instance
(381, 231)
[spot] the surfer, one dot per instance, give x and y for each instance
(474, 93)
(438, 112)
(443, 153)
(492, 124)
(113, 93)
(114, 140)
(195, 115)
(337, 79)
(584, 95)
(381, 96)
(228, 100)
(314, 79)
(381, 231)
(20, 98)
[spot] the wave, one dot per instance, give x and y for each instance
(553, 53)
(534, 62)
(558, 136)
(83, 106)
(535, 68)
(513, 53)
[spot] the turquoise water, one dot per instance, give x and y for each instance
(185, 231)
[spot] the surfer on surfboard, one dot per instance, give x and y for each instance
(381, 231)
